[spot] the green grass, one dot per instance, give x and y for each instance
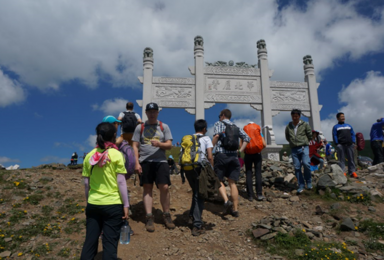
(285, 245)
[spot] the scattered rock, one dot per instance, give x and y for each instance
(325, 181)
(347, 224)
(5, 254)
(294, 198)
(259, 232)
(372, 209)
(335, 206)
(269, 236)
(299, 252)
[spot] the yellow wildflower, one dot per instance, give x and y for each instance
(19, 254)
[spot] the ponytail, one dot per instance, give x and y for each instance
(100, 141)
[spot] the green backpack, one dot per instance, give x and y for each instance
(190, 155)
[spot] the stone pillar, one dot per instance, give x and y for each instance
(147, 81)
(199, 78)
(310, 78)
(266, 113)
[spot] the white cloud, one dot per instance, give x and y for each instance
(11, 91)
(111, 106)
(54, 159)
(91, 140)
(4, 159)
(96, 40)
(363, 104)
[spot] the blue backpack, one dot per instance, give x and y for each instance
(130, 159)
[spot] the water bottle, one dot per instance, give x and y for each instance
(125, 234)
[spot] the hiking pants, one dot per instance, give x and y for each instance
(106, 218)
(197, 202)
(255, 161)
(346, 150)
(377, 152)
(300, 157)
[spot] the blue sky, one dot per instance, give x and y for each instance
(64, 65)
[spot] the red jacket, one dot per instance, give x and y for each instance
(313, 146)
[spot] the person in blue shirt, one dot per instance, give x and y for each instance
(377, 141)
(344, 139)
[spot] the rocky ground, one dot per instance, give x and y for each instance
(41, 217)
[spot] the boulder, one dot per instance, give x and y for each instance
(338, 175)
(325, 181)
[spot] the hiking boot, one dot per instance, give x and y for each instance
(250, 198)
(197, 231)
(235, 214)
(168, 221)
(260, 197)
(354, 175)
(228, 206)
(300, 190)
(150, 226)
(309, 186)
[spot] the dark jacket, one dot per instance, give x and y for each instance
(302, 137)
(343, 134)
(377, 131)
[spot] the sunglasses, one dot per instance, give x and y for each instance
(220, 116)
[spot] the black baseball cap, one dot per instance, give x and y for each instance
(151, 106)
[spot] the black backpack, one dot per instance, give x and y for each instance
(129, 122)
(230, 139)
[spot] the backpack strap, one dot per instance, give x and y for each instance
(160, 124)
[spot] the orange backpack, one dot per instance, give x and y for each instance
(256, 144)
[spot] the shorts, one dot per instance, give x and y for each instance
(227, 165)
(157, 172)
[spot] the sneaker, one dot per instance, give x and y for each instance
(260, 197)
(354, 175)
(197, 231)
(309, 186)
(300, 190)
(250, 199)
(150, 226)
(228, 206)
(235, 214)
(168, 221)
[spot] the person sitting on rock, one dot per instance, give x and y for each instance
(314, 145)
(285, 157)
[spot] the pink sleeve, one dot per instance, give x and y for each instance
(121, 182)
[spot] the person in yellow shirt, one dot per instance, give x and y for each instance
(106, 194)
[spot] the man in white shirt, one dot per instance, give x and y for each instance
(197, 206)
(130, 120)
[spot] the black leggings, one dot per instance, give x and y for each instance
(255, 160)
